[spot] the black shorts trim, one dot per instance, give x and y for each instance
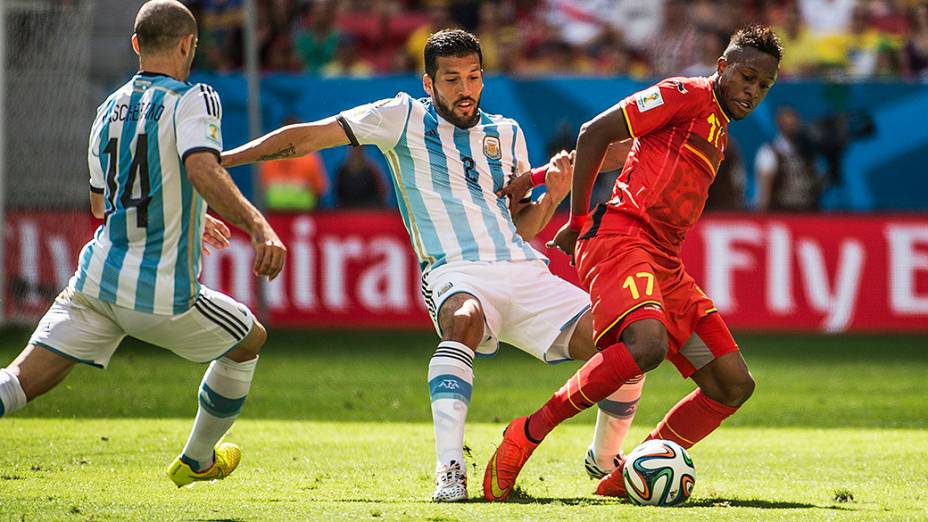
(230, 328)
(214, 306)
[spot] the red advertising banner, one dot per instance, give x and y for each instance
(355, 269)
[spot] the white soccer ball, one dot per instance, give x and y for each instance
(659, 473)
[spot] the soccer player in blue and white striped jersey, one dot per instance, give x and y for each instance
(154, 156)
(483, 283)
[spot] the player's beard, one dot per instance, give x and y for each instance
(447, 112)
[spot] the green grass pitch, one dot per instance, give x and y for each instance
(337, 426)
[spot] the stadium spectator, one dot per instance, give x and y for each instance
(578, 22)
(274, 36)
(800, 47)
(614, 58)
(439, 18)
(359, 182)
(637, 20)
(637, 38)
(220, 32)
(294, 184)
(380, 29)
(490, 31)
(727, 191)
(854, 52)
(675, 46)
(317, 41)
(511, 53)
(348, 61)
(825, 17)
(915, 53)
(890, 17)
(711, 46)
(559, 57)
(787, 178)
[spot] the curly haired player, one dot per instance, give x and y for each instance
(646, 307)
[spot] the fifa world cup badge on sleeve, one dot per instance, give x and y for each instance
(491, 148)
(648, 99)
(212, 133)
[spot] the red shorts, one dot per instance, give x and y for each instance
(629, 279)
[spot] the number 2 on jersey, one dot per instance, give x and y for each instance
(632, 286)
(138, 168)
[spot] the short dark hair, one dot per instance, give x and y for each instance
(760, 37)
(449, 42)
(160, 23)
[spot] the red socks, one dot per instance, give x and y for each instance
(603, 374)
(690, 421)
(694, 417)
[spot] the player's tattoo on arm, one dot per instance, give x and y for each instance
(282, 153)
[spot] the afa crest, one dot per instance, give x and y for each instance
(492, 148)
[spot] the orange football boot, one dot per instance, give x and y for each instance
(507, 461)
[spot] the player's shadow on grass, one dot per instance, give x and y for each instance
(524, 498)
(754, 503)
(520, 497)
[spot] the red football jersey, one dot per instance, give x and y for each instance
(680, 134)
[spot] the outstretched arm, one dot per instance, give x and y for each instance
(215, 185)
(288, 142)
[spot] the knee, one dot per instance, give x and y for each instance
(251, 346)
(466, 325)
(260, 337)
(650, 352)
(647, 343)
(741, 390)
(736, 392)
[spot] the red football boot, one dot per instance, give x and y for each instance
(613, 484)
(507, 462)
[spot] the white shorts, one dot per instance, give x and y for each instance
(89, 330)
(524, 304)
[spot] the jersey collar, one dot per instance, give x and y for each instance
(715, 97)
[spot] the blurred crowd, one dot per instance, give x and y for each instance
(834, 39)
(857, 39)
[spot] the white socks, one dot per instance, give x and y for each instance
(222, 394)
(451, 376)
(12, 397)
(613, 419)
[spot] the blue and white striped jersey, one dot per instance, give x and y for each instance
(146, 255)
(446, 177)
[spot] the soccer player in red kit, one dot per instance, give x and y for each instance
(646, 307)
